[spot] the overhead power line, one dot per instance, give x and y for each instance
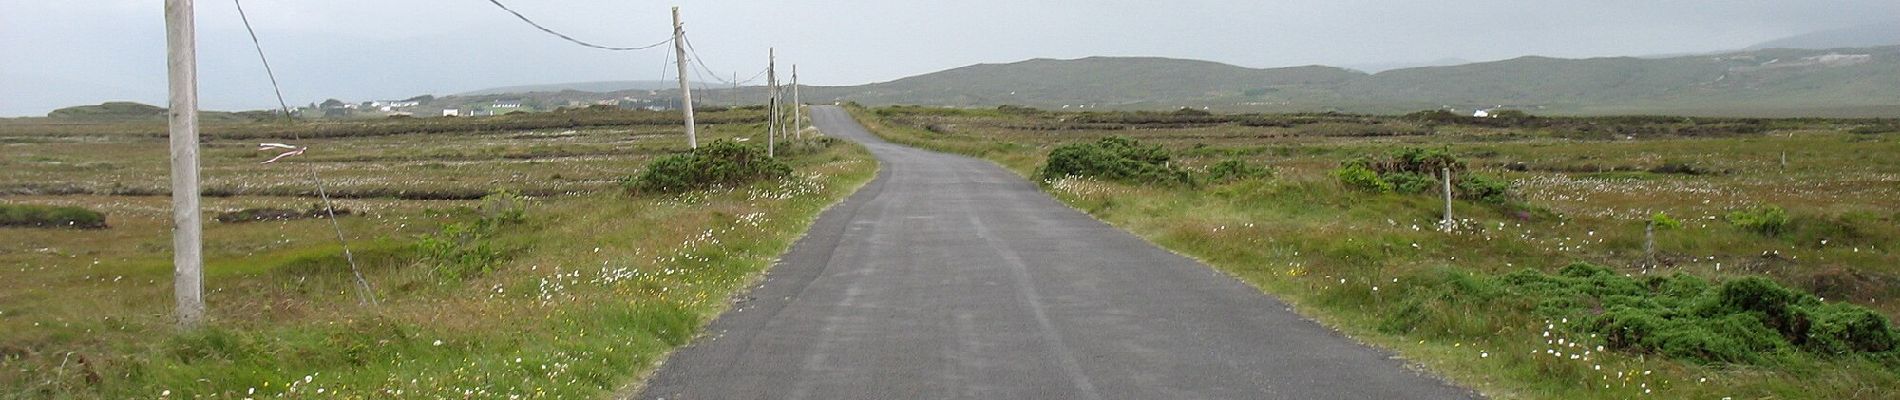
(536, 25)
(701, 62)
(364, 293)
(260, 57)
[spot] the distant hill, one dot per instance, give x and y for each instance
(1773, 82)
(111, 110)
(122, 111)
(1862, 36)
(594, 87)
(1099, 81)
(1388, 66)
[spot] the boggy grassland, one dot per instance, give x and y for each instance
(1544, 291)
(508, 255)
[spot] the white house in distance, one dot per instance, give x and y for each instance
(391, 106)
(450, 112)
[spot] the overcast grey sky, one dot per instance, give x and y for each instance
(69, 52)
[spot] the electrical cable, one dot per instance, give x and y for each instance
(537, 25)
(702, 64)
(364, 294)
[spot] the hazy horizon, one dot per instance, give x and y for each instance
(87, 52)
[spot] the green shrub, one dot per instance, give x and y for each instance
(1765, 220)
(1236, 169)
(38, 216)
(1359, 177)
(460, 251)
(1842, 329)
(1114, 158)
(1483, 189)
(1662, 221)
(467, 249)
(1746, 320)
(1410, 183)
(1423, 161)
(1418, 170)
(721, 162)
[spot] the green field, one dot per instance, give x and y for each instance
(565, 285)
(1493, 303)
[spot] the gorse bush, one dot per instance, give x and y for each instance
(1411, 160)
(1482, 188)
(721, 162)
(1411, 183)
(1236, 169)
(1744, 320)
(1362, 178)
(1662, 221)
(37, 216)
(1114, 158)
(1766, 220)
(1418, 170)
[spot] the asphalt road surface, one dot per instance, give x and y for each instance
(950, 277)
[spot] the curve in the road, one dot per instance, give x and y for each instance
(950, 277)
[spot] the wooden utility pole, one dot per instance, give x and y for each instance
(798, 116)
(686, 92)
(181, 58)
(771, 81)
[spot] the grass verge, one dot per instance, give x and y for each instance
(573, 297)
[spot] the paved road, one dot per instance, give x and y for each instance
(950, 277)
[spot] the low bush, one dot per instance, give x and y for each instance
(1114, 158)
(721, 162)
(1415, 160)
(1768, 220)
(1234, 169)
(467, 249)
(37, 216)
(1362, 178)
(1483, 189)
(1744, 320)
(1411, 183)
(1418, 170)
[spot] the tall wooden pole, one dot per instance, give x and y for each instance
(798, 116)
(686, 92)
(771, 82)
(181, 58)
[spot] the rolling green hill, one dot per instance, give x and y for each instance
(1773, 82)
